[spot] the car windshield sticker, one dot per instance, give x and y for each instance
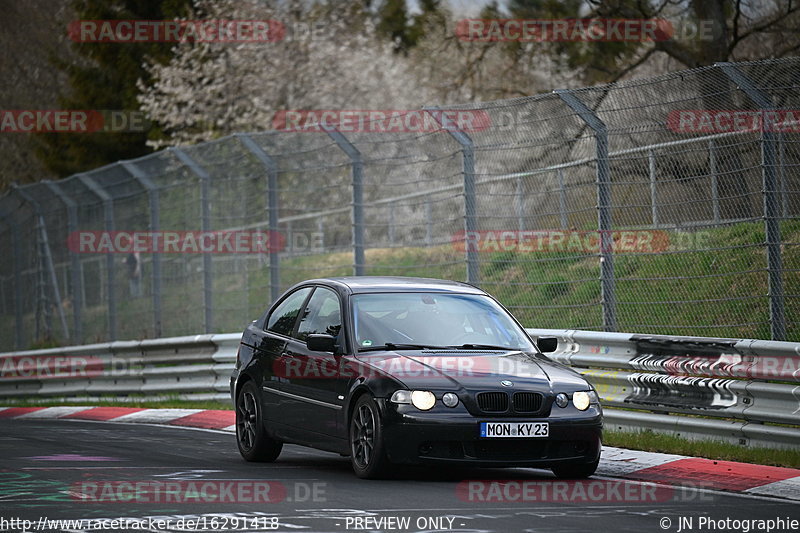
(366, 342)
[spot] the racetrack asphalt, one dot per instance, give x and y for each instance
(162, 478)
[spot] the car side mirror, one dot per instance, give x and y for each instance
(547, 344)
(320, 342)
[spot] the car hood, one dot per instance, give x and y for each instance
(473, 370)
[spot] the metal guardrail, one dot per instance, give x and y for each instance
(194, 367)
(738, 390)
(741, 391)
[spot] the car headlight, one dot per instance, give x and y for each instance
(421, 399)
(582, 399)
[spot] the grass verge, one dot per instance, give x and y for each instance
(650, 441)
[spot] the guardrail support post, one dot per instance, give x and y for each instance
(205, 226)
(108, 215)
(272, 209)
(770, 198)
(76, 279)
(358, 196)
(470, 203)
(607, 283)
(155, 225)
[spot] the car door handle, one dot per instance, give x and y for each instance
(288, 353)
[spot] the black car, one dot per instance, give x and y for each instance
(391, 370)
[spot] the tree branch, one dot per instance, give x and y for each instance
(761, 27)
(679, 52)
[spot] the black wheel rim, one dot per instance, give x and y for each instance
(246, 420)
(363, 440)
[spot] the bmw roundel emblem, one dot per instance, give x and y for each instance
(506, 383)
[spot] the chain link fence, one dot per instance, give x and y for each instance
(666, 205)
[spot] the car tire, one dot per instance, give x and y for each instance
(575, 470)
(251, 437)
(367, 451)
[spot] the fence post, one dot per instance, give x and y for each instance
(712, 169)
(155, 225)
(519, 205)
(651, 157)
(390, 228)
(272, 209)
(562, 199)
(108, 216)
(45, 258)
(770, 200)
(205, 226)
(76, 279)
(607, 283)
(470, 203)
(428, 222)
(16, 253)
(782, 164)
(357, 165)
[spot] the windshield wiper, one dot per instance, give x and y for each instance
(401, 346)
(485, 347)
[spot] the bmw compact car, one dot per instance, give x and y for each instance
(390, 371)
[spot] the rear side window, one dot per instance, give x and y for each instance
(284, 316)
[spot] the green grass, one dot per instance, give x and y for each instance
(723, 451)
(714, 293)
(719, 290)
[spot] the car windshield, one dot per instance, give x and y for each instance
(429, 319)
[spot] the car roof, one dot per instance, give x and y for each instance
(364, 284)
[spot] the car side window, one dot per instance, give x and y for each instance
(322, 315)
(284, 316)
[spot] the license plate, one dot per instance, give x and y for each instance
(514, 429)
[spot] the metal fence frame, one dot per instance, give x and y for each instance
(774, 195)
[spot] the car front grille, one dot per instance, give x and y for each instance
(493, 402)
(522, 403)
(527, 402)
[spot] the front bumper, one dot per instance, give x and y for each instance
(412, 437)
